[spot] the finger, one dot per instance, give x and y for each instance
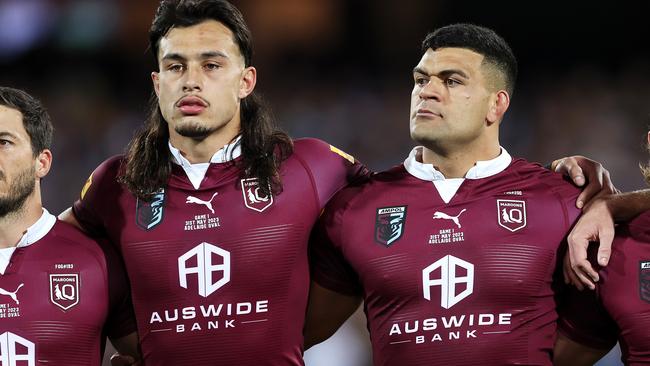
(577, 175)
(584, 280)
(606, 236)
(608, 185)
(575, 281)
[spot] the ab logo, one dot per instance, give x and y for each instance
(212, 268)
(455, 274)
(16, 351)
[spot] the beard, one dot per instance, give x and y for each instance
(194, 131)
(21, 188)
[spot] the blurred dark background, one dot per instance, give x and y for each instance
(341, 71)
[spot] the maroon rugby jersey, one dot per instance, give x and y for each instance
(219, 274)
(61, 296)
(620, 306)
(468, 282)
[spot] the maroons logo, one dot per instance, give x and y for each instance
(389, 224)
(644, 281)
(511, 214)
(148, 215)
(64, 290)
(253, 196)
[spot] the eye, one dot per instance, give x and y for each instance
(175, 67)
(421, 81)
(211, 66)
(4, 142)
(450, 82)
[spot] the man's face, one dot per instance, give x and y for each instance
(201, 79)
(450, 98)
(17, 162)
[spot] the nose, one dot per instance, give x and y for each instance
(433, 89)
(192, 79)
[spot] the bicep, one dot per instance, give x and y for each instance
(327, 310)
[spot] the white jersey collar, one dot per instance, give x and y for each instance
(447, 187)
(33, 234)
(196, 172)
(482, 169)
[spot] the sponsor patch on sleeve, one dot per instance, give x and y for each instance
(89, 182)
(343, 154)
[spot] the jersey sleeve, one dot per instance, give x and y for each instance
(583, 319)
(121, 317)
(94, 201)
(328, 265)
(329, 167)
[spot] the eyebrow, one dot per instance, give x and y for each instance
(443, 73)
(203, 55)
(7, 134)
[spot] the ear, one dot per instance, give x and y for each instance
(43, 163)
(499, 103)
(648, 138)
(247, 82)
(155, 78)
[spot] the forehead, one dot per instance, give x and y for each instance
(206, 36)
(451, 58)
(11, 120)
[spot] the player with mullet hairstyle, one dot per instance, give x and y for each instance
(591, 322)
(455, 252)
(211, 206)
(61, 293)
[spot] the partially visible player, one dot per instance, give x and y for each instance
(597, 224)
(212, 207)
(454, 252)
(61, 293)
(622, 298)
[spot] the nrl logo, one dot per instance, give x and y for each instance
(644, 281)
(148, 215)
(511, 214)
(253, 197)
(389, 224)
(64, 290)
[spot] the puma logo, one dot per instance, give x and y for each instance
(208, 204)
(11, 294)
(442, 215)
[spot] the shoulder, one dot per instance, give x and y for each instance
(70, 238)
(110, 167)
(370, 188)
(315, 149)
(536, 175)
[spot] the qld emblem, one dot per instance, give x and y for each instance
(511, 214)
(389, 224)
(644, 281)
(64, 290)
(253, 196)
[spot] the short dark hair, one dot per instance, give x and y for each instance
(36, 121)
(484, 41)
(186, 13)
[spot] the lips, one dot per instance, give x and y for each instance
(427, 113)
(191, 105)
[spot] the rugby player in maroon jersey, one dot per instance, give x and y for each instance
(454, 252)
(211, 207)
(591, 322)
(61, 293)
